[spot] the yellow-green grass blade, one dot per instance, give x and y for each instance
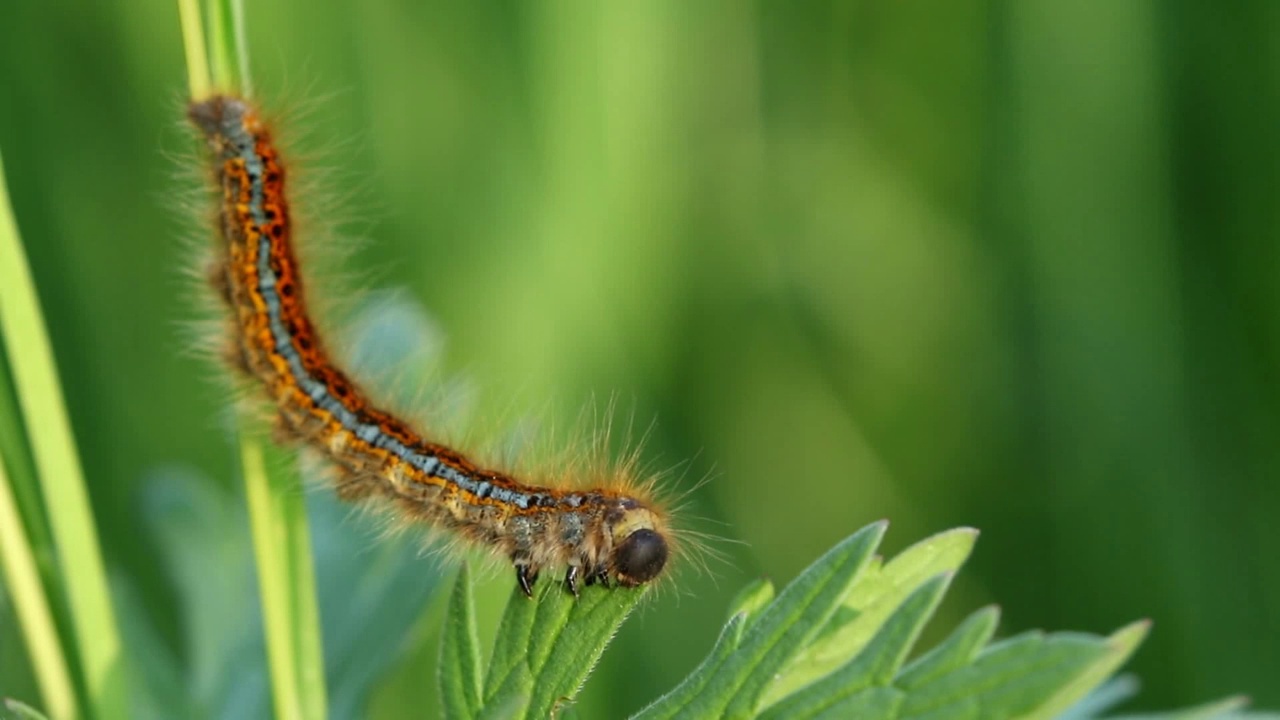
(277, 513)
(193, 44)
(32, 607)
(228, 53)
(61, 480)
(286, 580)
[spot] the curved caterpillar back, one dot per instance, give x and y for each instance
(602, 535)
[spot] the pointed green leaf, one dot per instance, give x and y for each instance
(1102, 698)
(670, 704)
(753, 598)
(783, 628)
(546, 647)
(878, 703)
(1120, 646)
(955, 652)
(875, 665)
(459, 676)
(877, 593)
(1008, 679)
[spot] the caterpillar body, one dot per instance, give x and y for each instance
(604, 535)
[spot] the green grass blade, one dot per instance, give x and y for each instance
(286, 579)
(277, 513)
(22, 484)
(24, 481)
(61, 479)
(460, 688)
(228, 52)
(198, 73)
(32, 608)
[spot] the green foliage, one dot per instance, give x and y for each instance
(41, 452)
(544, 651)
(460, 684)
(370, 592)
(833, 644)
(995, 244)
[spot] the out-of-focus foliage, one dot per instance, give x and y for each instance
(1005, 265)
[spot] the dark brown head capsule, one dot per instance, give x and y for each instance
(640, 558)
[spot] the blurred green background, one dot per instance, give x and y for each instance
(1001, 264)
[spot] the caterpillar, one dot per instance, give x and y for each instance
(602, 535)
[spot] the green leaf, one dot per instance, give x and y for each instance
(736, 686)
(1032, 675)
(955, 652)
(752, 599)
(372, 594)
(1120, 647)
(1009, 679)
(748, 603)
(877, 703)
(198, 529)
(460, 688)
(878, 591)
(1102, 698)
(547, 646)
(669, 705)
(875, 666)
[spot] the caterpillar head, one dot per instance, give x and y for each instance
(640, 549)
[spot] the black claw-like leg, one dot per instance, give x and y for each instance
(526, 578)
(598, 576)
(571, 580)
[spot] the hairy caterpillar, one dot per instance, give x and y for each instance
(602, 535)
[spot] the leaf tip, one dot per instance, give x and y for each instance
(1129, 637)
(877, 528)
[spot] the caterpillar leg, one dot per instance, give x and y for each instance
(598, 575)
(571, 580)
(526, 577)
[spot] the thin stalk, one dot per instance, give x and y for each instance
(277, 513)
(32, 607)
(61, 480)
